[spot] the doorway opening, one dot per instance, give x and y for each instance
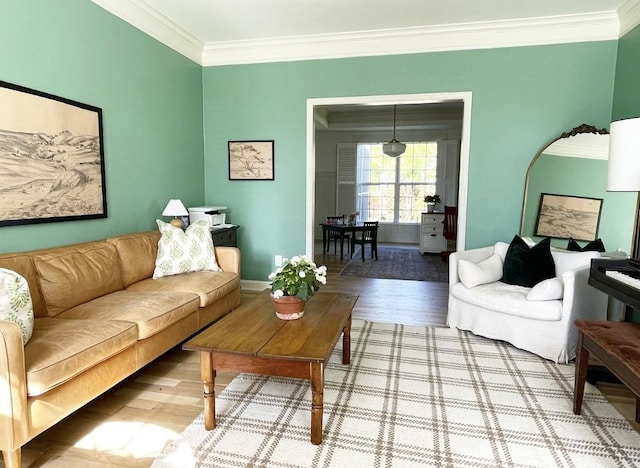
(321, 108)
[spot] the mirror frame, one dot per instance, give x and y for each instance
(584, 128)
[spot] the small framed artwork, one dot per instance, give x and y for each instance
(251, 160)
(51, 158)
(565, 216)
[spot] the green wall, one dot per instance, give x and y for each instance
(150, 95)
(626, 98)
(522, 98)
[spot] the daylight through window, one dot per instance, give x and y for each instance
(392, 190)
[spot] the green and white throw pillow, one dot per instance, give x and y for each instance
(15, 302)
(184, 251)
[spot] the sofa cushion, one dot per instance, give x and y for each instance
(487, 271)
(509, 299)
(208, 285)
(566, 260)
(137, 253)
(151, 312)
(61, 349)
(184, 251)
(547, 290)
(22, 263)
(15, 302)
(76, 274)
(525, 265)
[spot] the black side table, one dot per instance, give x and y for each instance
(225, 237)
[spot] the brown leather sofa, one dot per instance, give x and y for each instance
(99, 317)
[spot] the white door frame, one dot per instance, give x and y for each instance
(464, 96)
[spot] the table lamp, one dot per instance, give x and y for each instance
(176, 209)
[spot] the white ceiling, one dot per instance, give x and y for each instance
(218, 32)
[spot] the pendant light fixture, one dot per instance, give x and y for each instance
(394, 148)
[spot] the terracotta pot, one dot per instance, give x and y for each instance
(288, 307)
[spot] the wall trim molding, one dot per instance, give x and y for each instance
(588, 27)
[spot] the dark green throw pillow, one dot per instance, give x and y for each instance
(527, 266)
(593, 246)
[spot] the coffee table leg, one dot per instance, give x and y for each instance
(208, 376)
(582, 360)
(317, 389)
(346, 342)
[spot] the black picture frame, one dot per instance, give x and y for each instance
(252, 160)
(51, 158)
(568, 216)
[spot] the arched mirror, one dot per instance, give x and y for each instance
(570, 175)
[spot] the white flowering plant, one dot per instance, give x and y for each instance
(298, 277)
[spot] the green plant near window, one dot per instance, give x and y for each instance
(435, 199)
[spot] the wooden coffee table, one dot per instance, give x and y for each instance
(252, 339)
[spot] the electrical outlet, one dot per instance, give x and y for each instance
(278, 260)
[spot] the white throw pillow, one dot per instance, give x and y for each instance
(484, 272)
(185, 251)
(567, 260)
(548, 290)
(15, 302)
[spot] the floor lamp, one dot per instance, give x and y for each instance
(624, 172)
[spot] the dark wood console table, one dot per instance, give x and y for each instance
(617, 346)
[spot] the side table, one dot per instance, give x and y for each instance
(225, 236)
(617, 346)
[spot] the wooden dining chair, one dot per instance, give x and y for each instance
(335, 235)
(368, 235)
(450, 229)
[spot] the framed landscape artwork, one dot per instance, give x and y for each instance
(251, 160)
(51, 158)
(564, 217)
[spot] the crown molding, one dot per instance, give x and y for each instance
(629, 14)
(150, 22)
(465, 36)
(486, 35)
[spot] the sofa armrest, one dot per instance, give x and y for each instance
(580, 300)
(228, 259)
(14, 420)
(473, 255)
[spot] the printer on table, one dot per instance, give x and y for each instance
(215, 215)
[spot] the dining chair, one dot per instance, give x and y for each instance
(368, 235)
(335, 235)
(450, 230)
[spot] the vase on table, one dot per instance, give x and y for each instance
(288, 307)
(430, 207)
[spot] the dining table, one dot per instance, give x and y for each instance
(341, 230)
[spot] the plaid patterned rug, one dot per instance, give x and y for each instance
(414, 397)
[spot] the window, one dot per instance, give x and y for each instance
(392, 190)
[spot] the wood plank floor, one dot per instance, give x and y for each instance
(130, 424)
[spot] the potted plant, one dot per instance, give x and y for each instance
(431, 201)
(293, 284)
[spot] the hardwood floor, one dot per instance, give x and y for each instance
(130, 424)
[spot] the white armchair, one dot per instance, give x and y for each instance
(509, 313)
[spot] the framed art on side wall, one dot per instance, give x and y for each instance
(51, 158)
(566, 216)
(251, 160)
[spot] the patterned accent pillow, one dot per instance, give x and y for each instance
(15, 302)
(184, 251)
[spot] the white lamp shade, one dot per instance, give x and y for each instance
(624, 156)
(175, 208)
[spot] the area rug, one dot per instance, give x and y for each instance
(414, 397)
(398, 263)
